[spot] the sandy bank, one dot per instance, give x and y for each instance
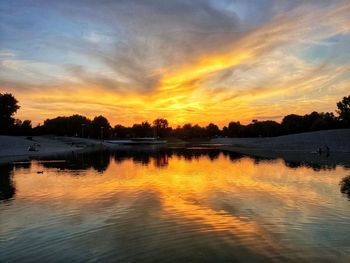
(14, 148)
(300, 147)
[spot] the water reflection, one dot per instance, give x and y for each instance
(314, 166)
(7, 188)
(100, 160)
(345, 186)
(177, 205)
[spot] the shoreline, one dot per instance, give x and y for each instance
(296, 157)
(298, 148)
(13, 148)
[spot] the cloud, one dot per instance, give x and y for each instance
(179, 59)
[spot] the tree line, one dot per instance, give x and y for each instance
(99, 126)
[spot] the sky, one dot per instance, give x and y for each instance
(196, 61)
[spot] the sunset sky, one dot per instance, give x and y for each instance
(186, 61)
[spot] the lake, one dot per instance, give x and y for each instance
(172, 205)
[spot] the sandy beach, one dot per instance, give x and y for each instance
(302, 147)
(13, 148)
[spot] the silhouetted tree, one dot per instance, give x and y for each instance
(8, 107)
(197, 131)
(74, 125)
(142, 130)
(77, 125)
(185, 132)
(309, 120)
(262, 128)
(344, 110)
(324, 121)
(121, 132)
(161, 127)
(235, 129)
(292, 124)
(100, 127)
(212, 130)
(57, 126)
(23, 127)
(177, 132)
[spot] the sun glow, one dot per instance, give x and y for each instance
(185, 190)
(194, 73)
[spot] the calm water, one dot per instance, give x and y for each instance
(179, 205)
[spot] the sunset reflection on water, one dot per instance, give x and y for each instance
(193, 204)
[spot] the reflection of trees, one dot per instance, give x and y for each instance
(292, 164)
(142, 159)
(195, 153)
(345, 186)
(319, 167)
(233, 156)
(258, 159)
(99, 161)
(213, 155)
(7, 188)
(314, 166)
(160, 157)
(23, 165)
(161, 160)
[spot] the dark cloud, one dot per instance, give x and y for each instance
(142, 39)
(146, 37)
(171, 56)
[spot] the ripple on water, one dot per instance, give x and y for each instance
(175, 210)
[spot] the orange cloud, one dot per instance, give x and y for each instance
(260, 72)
